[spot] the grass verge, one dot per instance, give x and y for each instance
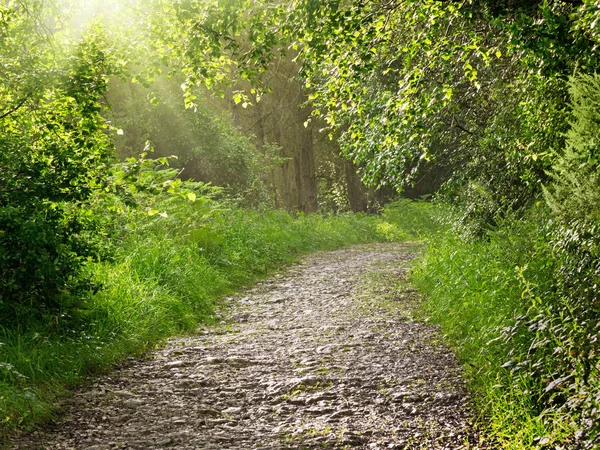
(169, 268)
(493, 298)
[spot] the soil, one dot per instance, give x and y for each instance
(327, 355)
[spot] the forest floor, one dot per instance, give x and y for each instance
(328, 354)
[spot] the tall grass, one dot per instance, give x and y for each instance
(479, 291)
(172, 262)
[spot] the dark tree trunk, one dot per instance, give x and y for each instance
(356, 193)
(287, 194)
(309, 175)
(261, 145)
(298, 179)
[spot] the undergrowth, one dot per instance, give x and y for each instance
(504, 304)
(172, 260)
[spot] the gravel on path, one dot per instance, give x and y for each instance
(326, 355)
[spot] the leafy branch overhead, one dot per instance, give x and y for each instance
(406, 83)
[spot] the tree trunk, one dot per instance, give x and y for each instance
(298, 180)
(309, 176)
(356, 195)
(269, 179)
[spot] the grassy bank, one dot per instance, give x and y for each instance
(506, 304)
(172, 261)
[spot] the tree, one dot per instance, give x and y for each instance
(240, 48)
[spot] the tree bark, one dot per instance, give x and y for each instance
(309, 176)
(356, 195)
(298, 180)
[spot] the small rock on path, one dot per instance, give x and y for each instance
(305, 361)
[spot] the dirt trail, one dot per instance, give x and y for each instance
(324, 356)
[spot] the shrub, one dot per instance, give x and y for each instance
(55, 154)
(208, 147)
(575, 189)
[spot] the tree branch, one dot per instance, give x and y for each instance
(15, 109)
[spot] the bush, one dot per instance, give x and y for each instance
(575, 190)
(55, 154)
(207, 146)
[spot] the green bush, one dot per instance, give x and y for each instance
(207, 146)
(55, 153)
(571, 322)
(574, 193)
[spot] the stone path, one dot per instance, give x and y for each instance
(324, 356)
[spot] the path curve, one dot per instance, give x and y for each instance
(323, 356)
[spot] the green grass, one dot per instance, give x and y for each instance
(476, 290)
(168, 272)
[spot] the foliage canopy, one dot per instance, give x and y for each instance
(498, 100)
